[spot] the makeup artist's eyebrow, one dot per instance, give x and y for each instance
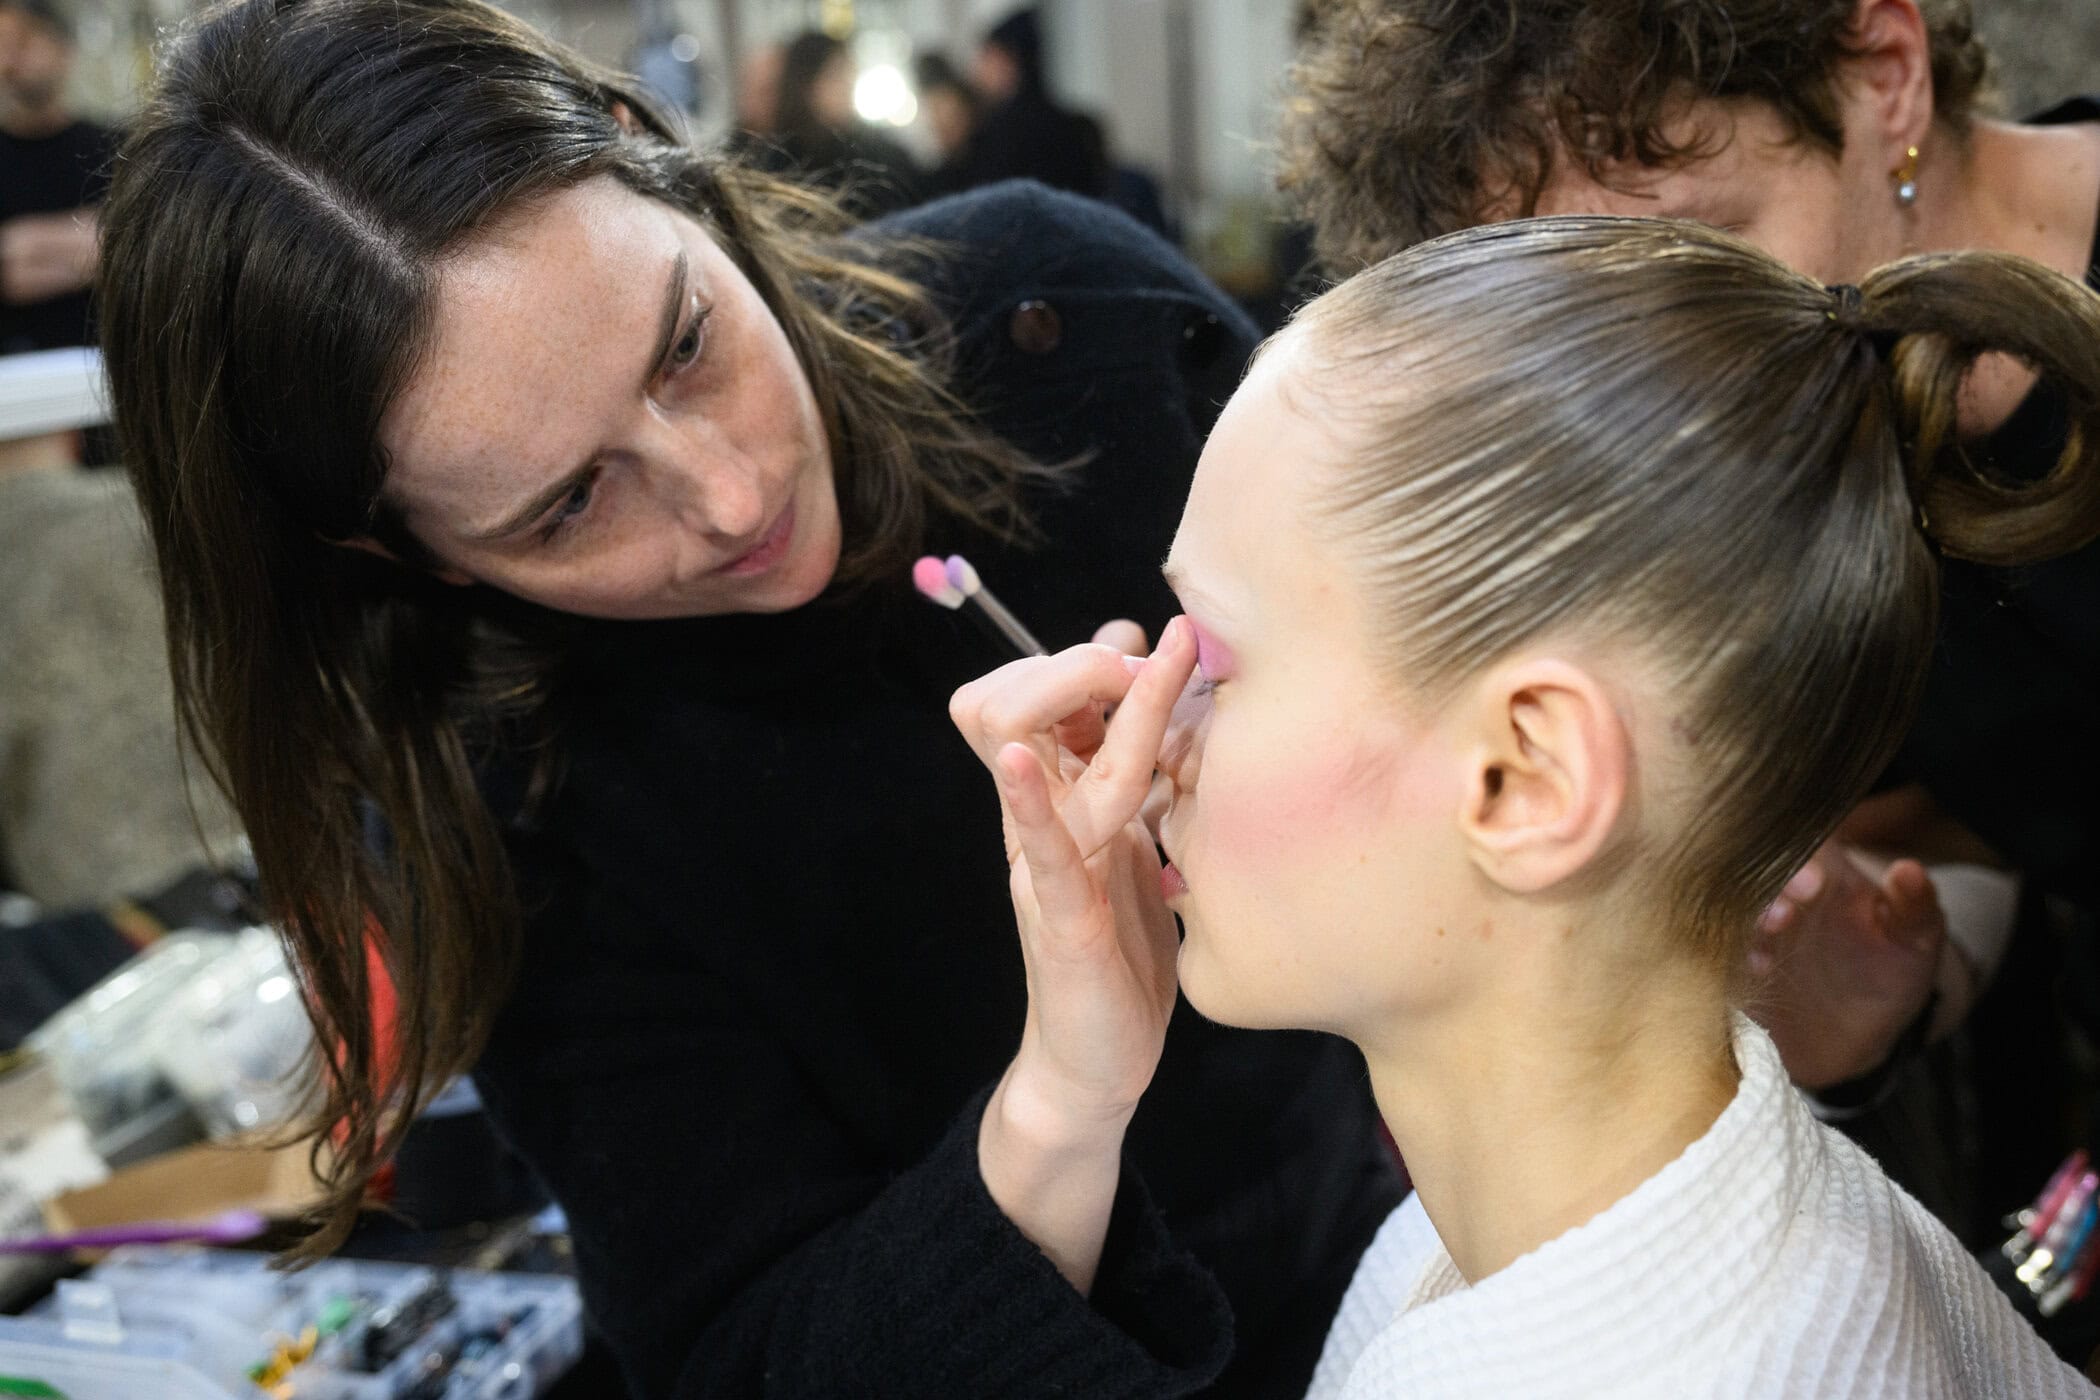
(544, 501)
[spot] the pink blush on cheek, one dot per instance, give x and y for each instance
(1315, 811)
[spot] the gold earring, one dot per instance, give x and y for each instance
(1906, 178)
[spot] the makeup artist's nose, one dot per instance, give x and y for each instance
(716, 489)
(731, 499)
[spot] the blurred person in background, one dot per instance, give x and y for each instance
(98, 825)
(757, 93)
(816, 138)
(950, 108)
(54, 167)
(1837, 134)
(1025, 132)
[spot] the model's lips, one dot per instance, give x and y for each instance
(1171, 885)
(768, 551)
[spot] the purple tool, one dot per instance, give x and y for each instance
(229, 1227)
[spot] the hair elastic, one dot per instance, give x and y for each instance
(1851, 306)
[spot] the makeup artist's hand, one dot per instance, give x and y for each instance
(1097, 939)
(1844, 960)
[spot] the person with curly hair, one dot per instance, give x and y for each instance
(1837, 134)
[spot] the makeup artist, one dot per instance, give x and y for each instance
(535, 501)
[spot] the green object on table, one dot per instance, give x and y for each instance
(28, 1389)
(335, 1316)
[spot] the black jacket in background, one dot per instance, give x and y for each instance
(772, 968)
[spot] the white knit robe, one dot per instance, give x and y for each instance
(1771, 1258)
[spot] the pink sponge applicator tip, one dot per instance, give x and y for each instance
(930, 577)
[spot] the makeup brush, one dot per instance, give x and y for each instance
(930, 577)
(955, 583)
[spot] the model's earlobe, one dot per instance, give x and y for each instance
(623, 116)
(1552, 763)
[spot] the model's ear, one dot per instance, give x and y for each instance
(365, 544)
(1550, 766)
(1887, 77)
(623, 115)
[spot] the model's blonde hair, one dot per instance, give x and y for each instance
(1652, 432)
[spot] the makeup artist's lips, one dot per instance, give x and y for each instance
(767, 552)
(1171, 885)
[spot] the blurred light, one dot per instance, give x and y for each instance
(275, 989)
(881, 94)
(685, 48)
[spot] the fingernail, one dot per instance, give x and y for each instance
(1806, 884)
(1133, 664)
(1170, 635)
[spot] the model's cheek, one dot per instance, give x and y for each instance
(1324, 806)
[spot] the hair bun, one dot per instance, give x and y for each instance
(1942, 312)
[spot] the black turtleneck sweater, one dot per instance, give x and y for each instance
(771, 970)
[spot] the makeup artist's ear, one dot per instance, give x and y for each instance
(367, 545)
(1550, 767)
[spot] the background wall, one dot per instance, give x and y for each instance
(2047, 50)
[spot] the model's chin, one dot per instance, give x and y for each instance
(1219, 995)
(1200, 982)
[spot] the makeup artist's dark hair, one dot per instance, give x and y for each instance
(1650, 433)
(1410, 118)
(269, 255)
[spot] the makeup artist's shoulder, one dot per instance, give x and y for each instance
(1022, 235)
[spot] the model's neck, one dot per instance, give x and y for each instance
(1525, 1115)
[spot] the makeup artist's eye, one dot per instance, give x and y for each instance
(686, 349)
(571, 508)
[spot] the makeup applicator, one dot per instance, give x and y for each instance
(955, 584)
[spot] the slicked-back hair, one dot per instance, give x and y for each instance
(1651, 433)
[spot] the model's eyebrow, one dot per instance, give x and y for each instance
(1178, 580)
(544, 501)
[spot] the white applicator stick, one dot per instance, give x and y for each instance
(963, 577)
